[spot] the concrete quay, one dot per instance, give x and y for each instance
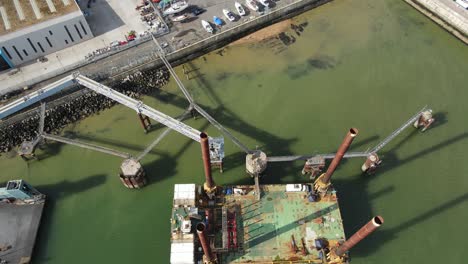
(142, 55)
(447, 14)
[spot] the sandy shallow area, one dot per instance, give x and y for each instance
(264, 33)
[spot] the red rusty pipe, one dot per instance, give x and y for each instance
(352, 133)
(206, 160)
(204, 241)
(366, 230)
(142, 121)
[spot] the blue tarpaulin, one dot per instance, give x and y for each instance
(217, 21)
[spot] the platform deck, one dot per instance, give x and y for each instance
(265, 227)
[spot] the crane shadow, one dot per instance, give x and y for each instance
(372, 243)
(355, 198)
(391, 160)
(165, 165)
(108, 142)
(355, 202)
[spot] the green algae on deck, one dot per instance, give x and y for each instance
(387, 61)
(265, 227)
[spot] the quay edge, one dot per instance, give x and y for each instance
(118, 65)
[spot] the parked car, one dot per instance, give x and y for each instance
(114, 43)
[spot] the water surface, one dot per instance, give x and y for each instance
(367, 64)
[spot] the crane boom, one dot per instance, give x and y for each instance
(139, 107)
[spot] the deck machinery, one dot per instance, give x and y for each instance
(292, 223)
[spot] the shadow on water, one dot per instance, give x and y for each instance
(391, 160)
(55, 192)
(355, 199)
(232, 121)
(288, 227)
(373, 242)
(440, 119)
(355, 202)
(48, 149)
(164, 166)
(109, 142)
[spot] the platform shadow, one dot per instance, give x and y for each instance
(355, 198)
(165, 165)
(54, 193)
(373, 242)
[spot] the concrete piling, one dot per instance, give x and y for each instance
(132, 174)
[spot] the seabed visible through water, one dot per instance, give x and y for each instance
(365, 64)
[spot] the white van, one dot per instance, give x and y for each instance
(462, 3)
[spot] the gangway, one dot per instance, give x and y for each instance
(139, 107)
(27, 148)
(326, 156)
(36, 96)
(364, 154)
(398, 131)
(421, 119)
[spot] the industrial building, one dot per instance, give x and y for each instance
(32, 29)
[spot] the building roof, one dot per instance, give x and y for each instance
(18, 14)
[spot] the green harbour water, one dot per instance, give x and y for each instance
(369, 64)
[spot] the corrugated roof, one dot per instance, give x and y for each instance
(182, 253)
(184, 194)
(18, 14)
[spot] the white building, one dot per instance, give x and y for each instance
(34, 28)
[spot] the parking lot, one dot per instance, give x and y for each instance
(186, 33)
(111, 20)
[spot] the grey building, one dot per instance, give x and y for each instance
(34, 28)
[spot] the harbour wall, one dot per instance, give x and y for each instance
(444, 16)
(216, 41)
(141, 56)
